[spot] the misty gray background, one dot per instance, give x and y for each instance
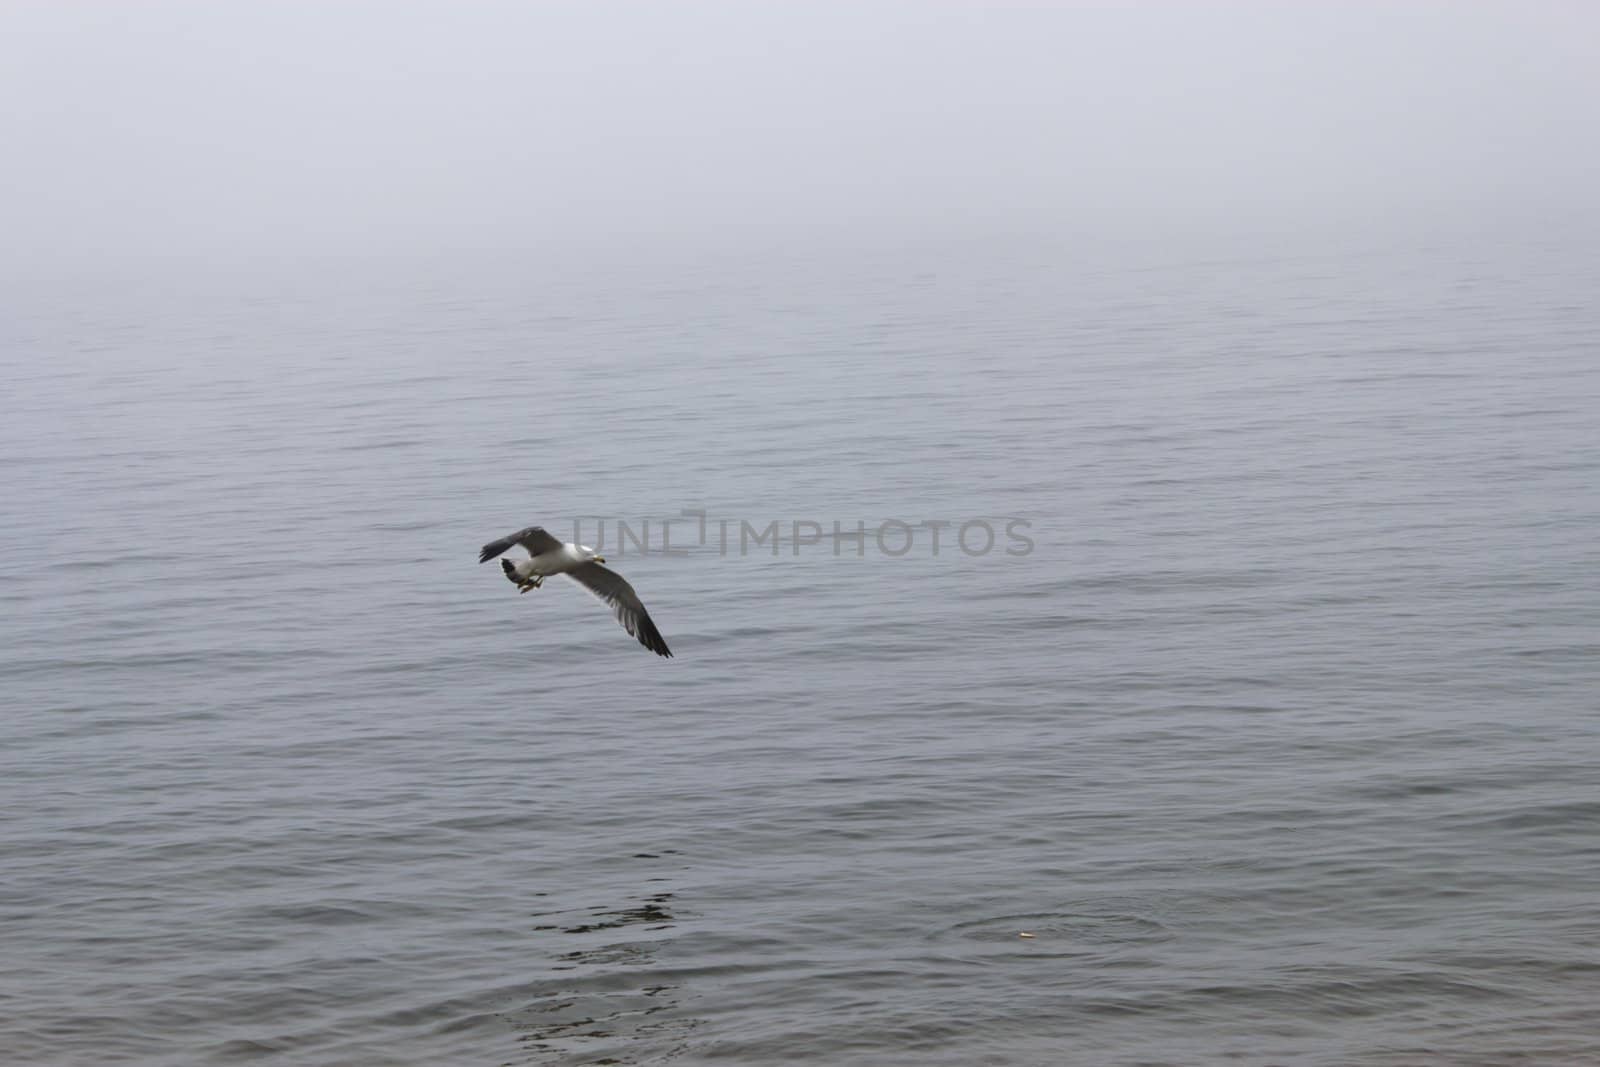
(212, 132)
(1276, 322)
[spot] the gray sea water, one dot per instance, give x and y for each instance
(1282, 741)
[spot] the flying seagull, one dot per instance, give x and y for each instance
(547, 556)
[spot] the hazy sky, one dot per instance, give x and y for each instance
(228, 128)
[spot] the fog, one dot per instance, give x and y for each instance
(224, 130)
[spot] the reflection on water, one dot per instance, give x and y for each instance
(612, 1010)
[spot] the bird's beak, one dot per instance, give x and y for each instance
(599, 559)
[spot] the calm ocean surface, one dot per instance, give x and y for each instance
(1283, 741)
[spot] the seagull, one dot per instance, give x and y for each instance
(547, 556)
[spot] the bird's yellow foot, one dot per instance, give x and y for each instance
(525, 588)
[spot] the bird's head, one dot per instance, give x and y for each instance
(590, 554)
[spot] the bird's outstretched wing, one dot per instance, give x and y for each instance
(611, 587)
(534, 539)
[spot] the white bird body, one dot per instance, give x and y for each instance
(556, 561)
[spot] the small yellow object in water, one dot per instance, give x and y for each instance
(1024, 933)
